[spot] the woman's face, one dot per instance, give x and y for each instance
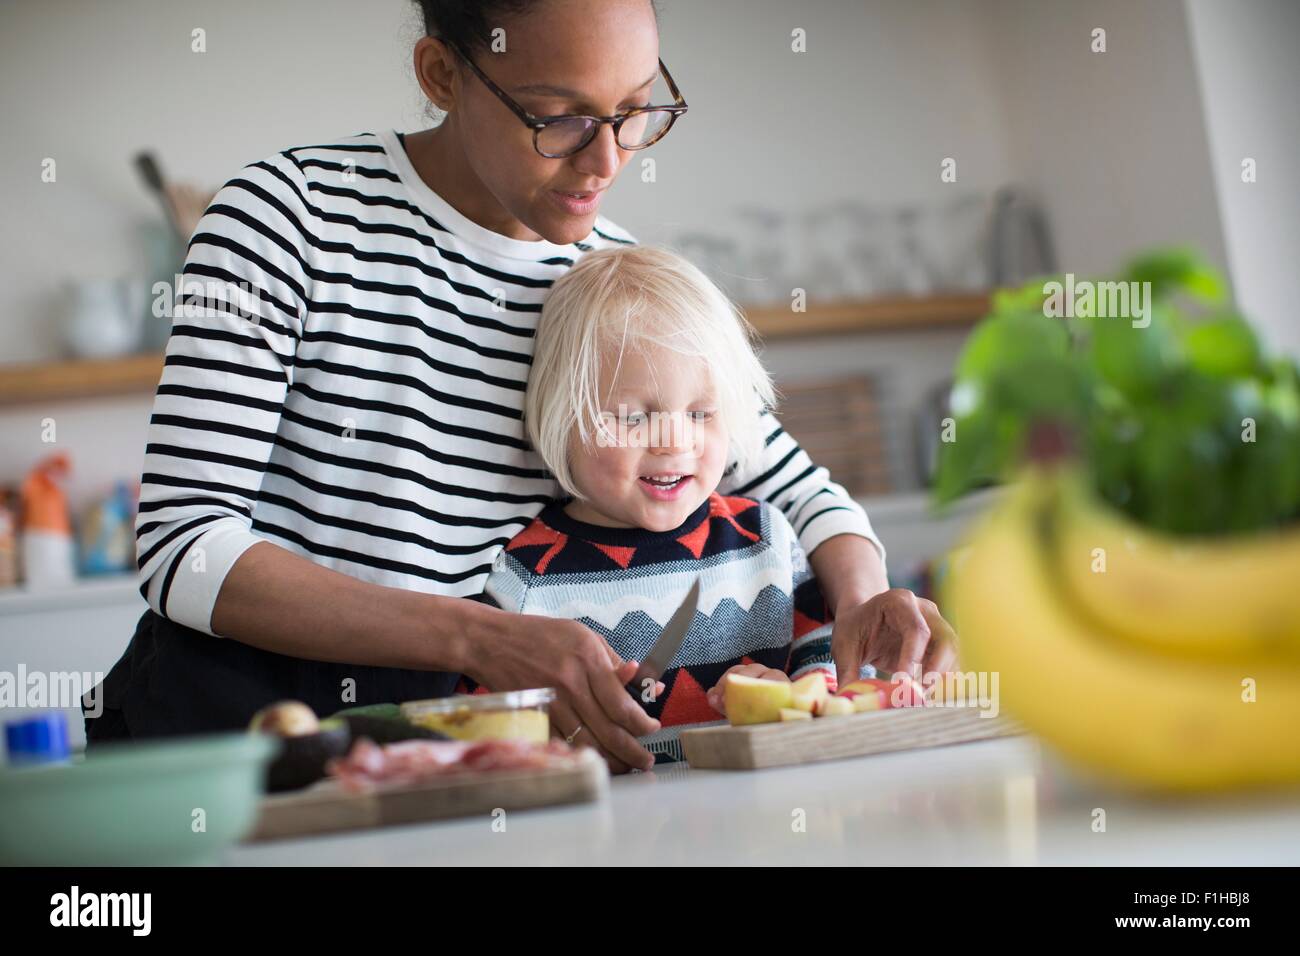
(663, 414)
(596, 57)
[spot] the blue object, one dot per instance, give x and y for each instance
(39, 739)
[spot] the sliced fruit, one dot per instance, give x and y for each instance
(752, 700)
(835, 707)
(808, 690)
(865, 696)
(790, 713)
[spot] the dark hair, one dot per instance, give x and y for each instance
(469, 23)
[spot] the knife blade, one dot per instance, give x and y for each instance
(667, 644)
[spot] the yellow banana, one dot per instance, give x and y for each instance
(1236, 597)
(1151, 720)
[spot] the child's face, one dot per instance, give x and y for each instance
(670, 426)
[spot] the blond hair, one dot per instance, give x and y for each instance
(637, 297)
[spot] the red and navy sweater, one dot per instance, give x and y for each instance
(759, 602)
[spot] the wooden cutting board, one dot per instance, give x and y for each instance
(832, 738)
(327, 808)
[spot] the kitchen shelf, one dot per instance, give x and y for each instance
(89, 378)
(79, 378)
(960, 310)
(101, 591)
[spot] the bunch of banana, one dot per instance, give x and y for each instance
(1173, 666)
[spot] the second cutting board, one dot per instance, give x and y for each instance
(328, 808)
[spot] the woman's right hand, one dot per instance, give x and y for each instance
(530, 650)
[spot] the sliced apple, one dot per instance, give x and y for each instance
(899, 691)
(808, 690)
(752, 700)
(791, 713)
(865, 696)
(835, 707)
(865, 702)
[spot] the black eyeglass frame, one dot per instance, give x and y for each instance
(539, 123)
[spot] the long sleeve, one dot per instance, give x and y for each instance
(787, 478)
(229, 364)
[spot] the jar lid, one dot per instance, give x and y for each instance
(42, 738)
(507, 700)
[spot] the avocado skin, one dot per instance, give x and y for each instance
(384, 724)
(302, 759)
(384, 730)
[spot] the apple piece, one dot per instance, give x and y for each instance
(753, 700)
(867, 702)
(907, 692)
(835, 707)
(866, 696)
(791, 713)
(900, 691)
(808, 690)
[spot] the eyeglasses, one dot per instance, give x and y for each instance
(558, 136)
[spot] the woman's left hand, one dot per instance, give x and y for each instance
(893, 631)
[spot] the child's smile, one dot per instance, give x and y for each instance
(664, 447)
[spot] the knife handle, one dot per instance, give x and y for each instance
(636, 687)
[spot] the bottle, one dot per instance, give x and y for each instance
(48, 553)
(8, 539)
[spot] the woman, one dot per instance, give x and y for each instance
(336, 455)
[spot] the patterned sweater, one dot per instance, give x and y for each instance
(759, 602)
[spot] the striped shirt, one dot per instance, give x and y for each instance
(345, 378)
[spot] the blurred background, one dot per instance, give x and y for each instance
(818, 170)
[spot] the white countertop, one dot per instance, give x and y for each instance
(993, 802)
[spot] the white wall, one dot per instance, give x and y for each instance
(1116, 144)
(1248, 55)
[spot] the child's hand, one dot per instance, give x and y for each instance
(714, 695)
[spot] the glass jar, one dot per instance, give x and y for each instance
(520, 715)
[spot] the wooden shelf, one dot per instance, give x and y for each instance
(140, 373)
(896, 313)
(79, 378)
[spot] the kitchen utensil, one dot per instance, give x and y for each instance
(510, 715)
(135, 803)
(327, 807)
(146, 163)
(752, 747)
(669, 640)
(1021, 243)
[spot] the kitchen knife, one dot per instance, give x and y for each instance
(669, 640)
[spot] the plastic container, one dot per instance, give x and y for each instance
(520, 715)
(38, 739)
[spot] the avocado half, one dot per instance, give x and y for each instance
(303, 758)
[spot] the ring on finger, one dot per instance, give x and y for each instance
(569, 738)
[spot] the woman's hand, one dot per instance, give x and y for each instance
(715, 695)
(528, 650)
(894, 631)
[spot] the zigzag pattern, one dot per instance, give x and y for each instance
(758, 598)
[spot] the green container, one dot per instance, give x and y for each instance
(158, 803)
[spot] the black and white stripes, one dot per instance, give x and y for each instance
(345, 378)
